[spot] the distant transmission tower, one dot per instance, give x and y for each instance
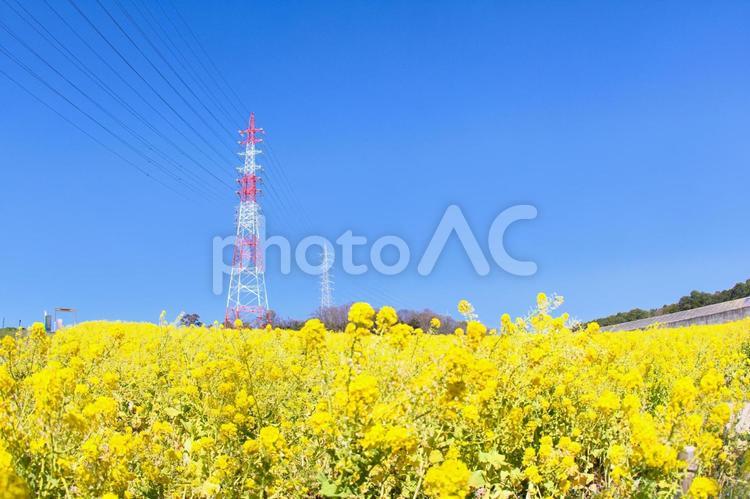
(247, 299)
(326, 281)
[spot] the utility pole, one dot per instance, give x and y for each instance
(247, 299)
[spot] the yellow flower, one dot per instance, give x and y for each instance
(373, 437)
(6, 381)
(475, 332)
(592, 328)
(7, 346)
(465, 308)
(210, 488)
(568, 445)
(361, 315)
(506, 325)
(703, 488)
(363, 392)
(250, 446)
(82, 389)
(711, 381)
(617, 454)
(618, 473)
(38, 329)
(684, 393)
(314, 333)
(529, 455)
(532, 473)
(228, 430)
(161, 427)
(110, 379)
(608, 401)
(202, 444)
(386, 318)
(720, 415)
(631, 404)
(542, 302)
(133, 407)
(401, 439)
(270, 440)
(470, 413)
(449, 480)
(321, 423)
(104, 407)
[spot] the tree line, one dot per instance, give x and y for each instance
(694, 300)
(336, 317)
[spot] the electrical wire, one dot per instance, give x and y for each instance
(71, 57)
(158, 29)
(165, 60)
(278, 188)
(159, 72)
(118, 74)
(89, 135)
(242, 105)
(141, 77)
(167, 170)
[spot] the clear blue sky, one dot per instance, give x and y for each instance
(625, 123)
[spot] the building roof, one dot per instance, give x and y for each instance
(666, 319)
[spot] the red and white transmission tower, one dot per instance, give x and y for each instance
(247, 299)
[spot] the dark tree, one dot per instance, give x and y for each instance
(191, 320)
(421, 319)
(335, 318)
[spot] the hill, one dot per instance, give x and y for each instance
(694, 300)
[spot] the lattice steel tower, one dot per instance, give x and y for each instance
(326, 281)
(247, 299)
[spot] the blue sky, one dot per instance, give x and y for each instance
(625, 124)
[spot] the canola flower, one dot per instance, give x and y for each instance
(528, 409)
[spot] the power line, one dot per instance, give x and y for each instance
(78, 108)
(210, 61)
(276, 192)
(282, 191)
(46, 34)
(132, 132)
(280, 195)
(157, 27)
(287, 184)
(141, 77)
(164, 59)
(80, 129)
(285, 194)
(161, 115)
(159, 72)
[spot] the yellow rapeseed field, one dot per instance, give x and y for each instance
(532, 409)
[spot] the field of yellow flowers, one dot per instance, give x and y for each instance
(530, 409)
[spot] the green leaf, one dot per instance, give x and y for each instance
(477, 479)
(329, 489)
(493, 458)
